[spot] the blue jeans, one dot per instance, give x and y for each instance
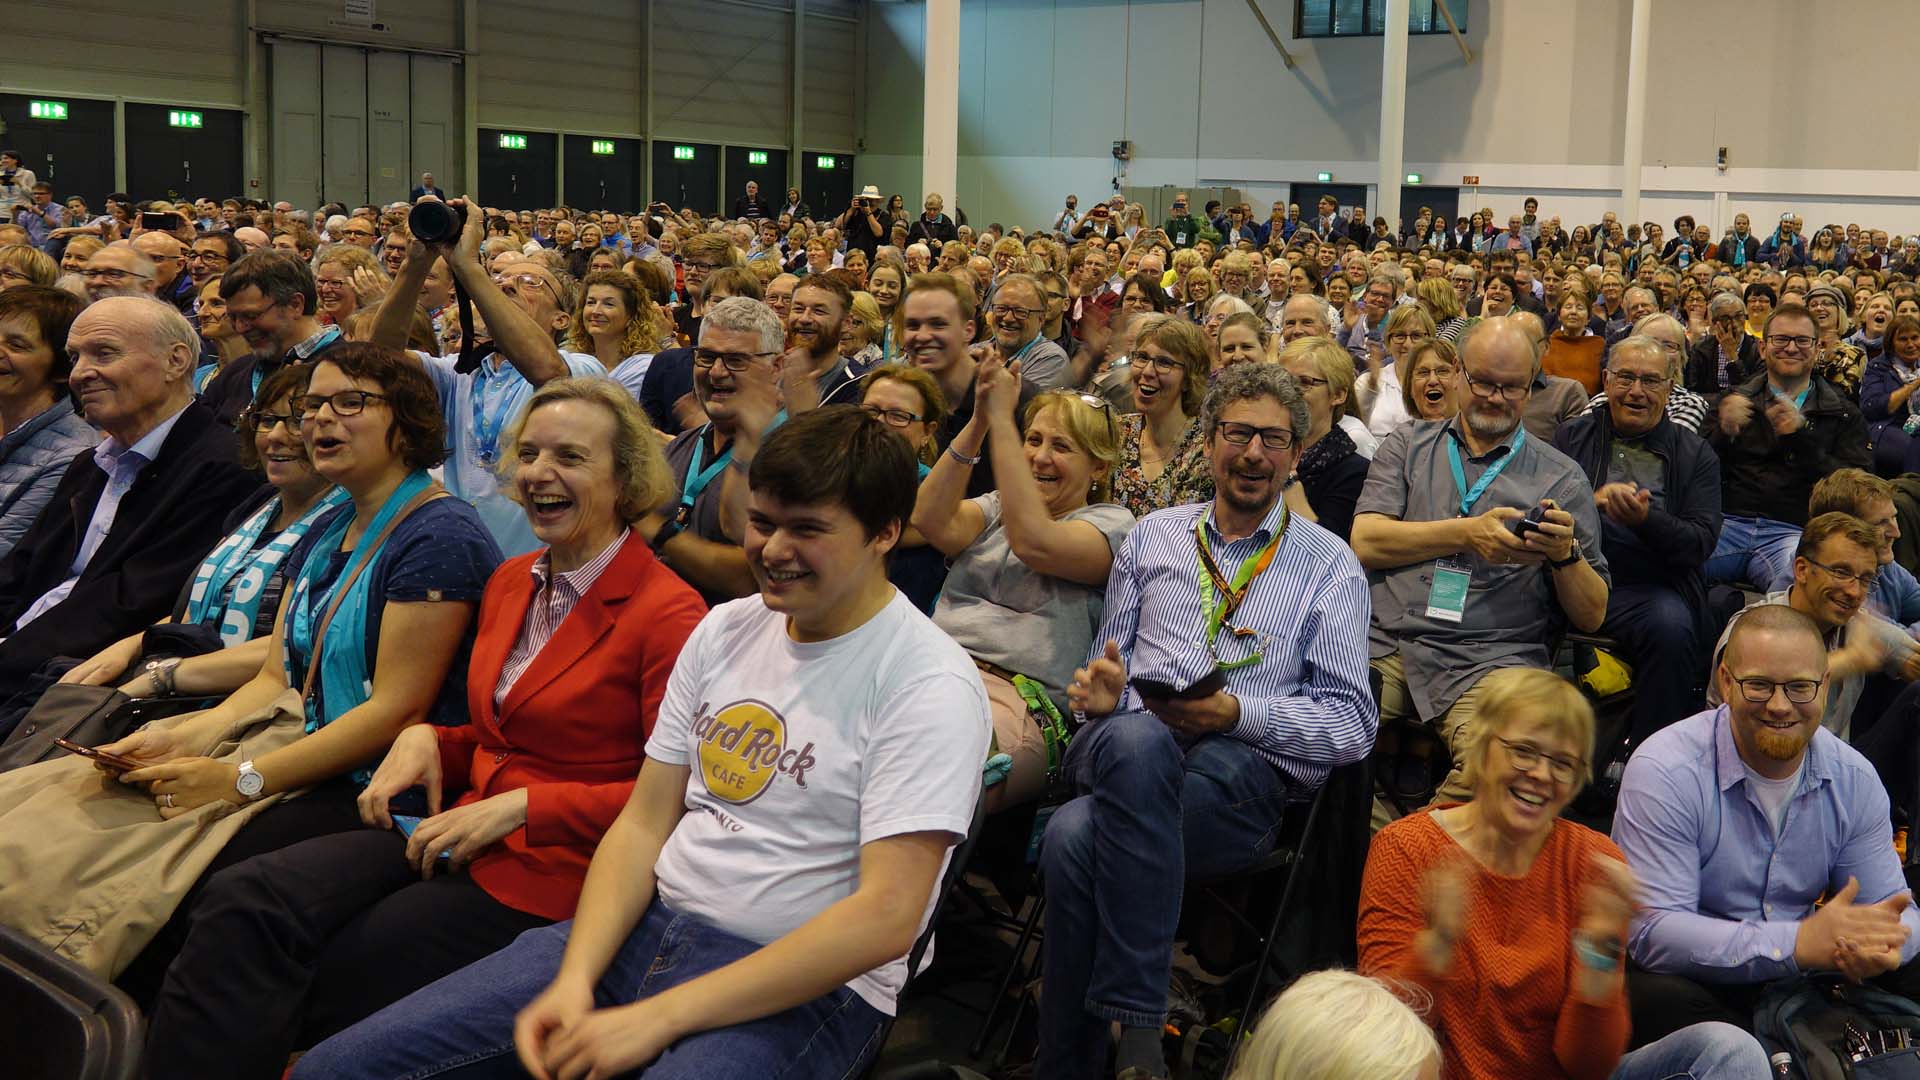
(1114, 861)
(1660, 635)
(462, 1026)
(1710, 1051)
(1754, 551)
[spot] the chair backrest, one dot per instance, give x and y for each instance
(957, 865)
(57, 1019)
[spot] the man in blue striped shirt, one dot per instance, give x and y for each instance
(1232, 678)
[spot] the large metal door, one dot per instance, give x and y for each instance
(295, 110)
(686, 175)
(389, 115)
(73, 149)
(603, 174)
(182, 153)
(343, 103)
(516, 169)
(436, 118)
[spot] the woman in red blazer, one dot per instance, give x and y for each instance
(574, 647)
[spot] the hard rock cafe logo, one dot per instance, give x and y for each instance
(743, 747)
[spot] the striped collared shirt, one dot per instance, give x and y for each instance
(1305, 705)
(554, 596)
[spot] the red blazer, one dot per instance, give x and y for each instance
(574, 728)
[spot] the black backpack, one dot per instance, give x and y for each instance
(1820, 1023)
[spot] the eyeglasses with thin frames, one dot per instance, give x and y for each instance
(1525, 756)
(1485, 388)
(1652, 384)
(1845, 576)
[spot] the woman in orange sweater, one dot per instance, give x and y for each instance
(1574, 351)
(1512, 919)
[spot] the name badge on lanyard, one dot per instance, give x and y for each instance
(1447, 598)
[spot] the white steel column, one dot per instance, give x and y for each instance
(1393, 114)
(1633, 147)
(940, 126)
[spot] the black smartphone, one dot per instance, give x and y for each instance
(1208, 685)
(163, 222)
(1531, 523)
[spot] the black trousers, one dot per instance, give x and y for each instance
(1663, 1004)
(289, 947)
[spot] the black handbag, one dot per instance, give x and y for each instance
(88, 715)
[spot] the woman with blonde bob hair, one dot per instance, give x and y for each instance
(1514, 919)
(1028, 579)
(642, 481)
(1378, 1036)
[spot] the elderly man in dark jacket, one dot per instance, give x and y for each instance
(1657, 487)
(133, 516)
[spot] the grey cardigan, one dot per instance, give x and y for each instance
(33, 458)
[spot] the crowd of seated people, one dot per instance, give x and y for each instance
(581, 590)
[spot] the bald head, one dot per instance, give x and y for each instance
(133, 360)
(1303, 315)
(251, 239)
(168, 255)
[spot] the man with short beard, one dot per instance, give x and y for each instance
(1458, 591)
(1017, 317)
(1739, 820)
(816, 322)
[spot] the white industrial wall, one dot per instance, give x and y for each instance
(722, 70)
(1046, 86)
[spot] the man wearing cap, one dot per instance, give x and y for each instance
(1183, 229)
(862, 222)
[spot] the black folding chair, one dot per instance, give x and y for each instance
(59, 1020)
(956, 868)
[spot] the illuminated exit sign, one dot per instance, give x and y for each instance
(683, 153)
(183, 118)
(47, 110)
(510, 141)
(603, 146)
(756, 157)
(824, 161)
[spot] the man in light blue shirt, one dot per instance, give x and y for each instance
(1736, 821)
(523, 310)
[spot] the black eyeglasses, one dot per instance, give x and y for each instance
(1797, 342)
(1526, 755)
(893, 417)
(1760, 691)
(734, 362)
(266, 421)
(1483, 388)
(1845, 576)
(344, 402)
(1273, 438)
(1650, 383)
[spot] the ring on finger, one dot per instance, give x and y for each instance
(166, 800)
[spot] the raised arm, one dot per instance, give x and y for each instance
(1075, 550)
(526, 345)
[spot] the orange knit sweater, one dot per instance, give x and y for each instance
(1505, 1009)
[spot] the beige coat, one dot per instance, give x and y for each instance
(87, 864)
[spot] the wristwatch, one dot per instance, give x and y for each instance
(249, 783)
(162, 672)
(1574, 555)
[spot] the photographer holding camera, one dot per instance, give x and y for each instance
(16, 182)
(41, 216)
(864, 223)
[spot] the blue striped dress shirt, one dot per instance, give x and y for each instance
(1305, 706)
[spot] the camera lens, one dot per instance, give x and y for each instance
(433, 222)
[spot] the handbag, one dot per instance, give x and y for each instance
(1824, 1028)
(88, 715)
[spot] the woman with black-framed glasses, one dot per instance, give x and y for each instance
(1027, 585)
(1163, 458)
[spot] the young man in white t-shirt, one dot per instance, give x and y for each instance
(817, 754)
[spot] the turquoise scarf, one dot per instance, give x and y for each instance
(232, 579)
(345, 670)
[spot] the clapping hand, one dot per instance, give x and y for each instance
(1096, 688)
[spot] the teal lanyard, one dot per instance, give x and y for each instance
(1798, 402)
(1471, 495)
(697, 477)
(487, 421)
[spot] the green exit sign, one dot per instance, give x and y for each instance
(683, 153)
(1325, 177)
(1413, 178)
(756, 157)
(603, 146)
(510, 141)
(47, 110)
(183, 118)
(824, 161)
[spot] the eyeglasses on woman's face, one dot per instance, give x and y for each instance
(1525, 756)
(343, 402)
(898, 418)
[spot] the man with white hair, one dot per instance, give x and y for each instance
(118, 270)
(133, 516)
(919, 258)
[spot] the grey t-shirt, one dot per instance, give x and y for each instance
(1508, 606)
(704, 519)
(1016, 618)
(1045, 365)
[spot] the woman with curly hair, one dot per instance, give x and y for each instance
(617, 323)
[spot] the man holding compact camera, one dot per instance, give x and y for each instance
(864, 223)
(16, 182)
(1473, 533)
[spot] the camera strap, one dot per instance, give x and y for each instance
(469, 359)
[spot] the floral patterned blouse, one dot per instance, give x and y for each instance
(1843, 365)
(1187, 477)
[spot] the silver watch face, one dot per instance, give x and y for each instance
(249, 782)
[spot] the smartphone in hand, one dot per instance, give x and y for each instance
(111, 761)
